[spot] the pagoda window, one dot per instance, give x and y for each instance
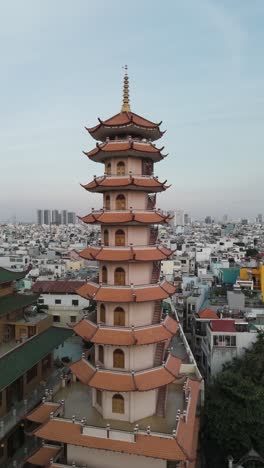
(104, 274)
(120, 168)
(106, 237)
(102, 313)
(119, 359)
(120, 238)
(99, 397)
(119, 317)
(118, 404)
(120, 277)
(101, 354)
(107, 202)
(108, 169)
(147, 167)
(120, 202)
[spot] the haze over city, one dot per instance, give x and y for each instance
(198, 65)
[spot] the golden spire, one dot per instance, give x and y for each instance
(126, 105)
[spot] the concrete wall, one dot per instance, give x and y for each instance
(137, 314)
(136, 200)
(136, 273)
(108, 459)
(136, 357)
(136, 235)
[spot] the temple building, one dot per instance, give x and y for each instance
(27, 341)
(136, 400)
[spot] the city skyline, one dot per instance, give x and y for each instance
(200, 69)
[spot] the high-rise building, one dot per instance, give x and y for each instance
(259, 219)
(64, 217)
(55, 217)
(40, 217)
(71, 217)
(179, 217)
(208, 220)
(122, 393)
(186, 219)
(47, 217)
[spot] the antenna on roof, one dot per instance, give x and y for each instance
(125, 105)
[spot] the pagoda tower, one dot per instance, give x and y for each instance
(132, 367)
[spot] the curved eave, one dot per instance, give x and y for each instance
(126, 294)
(122, 336)
(102, 155)
(125, 217)
(119, 254)
(121, 381)
(146, 184)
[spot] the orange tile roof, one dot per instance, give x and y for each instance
(124, 118)
(89, 331)
(123, 381)
(113, 293)
(120, 217)
(100, 184)
(108, 254)
(164, 448)
(43, 455)
(208, 314)
(42, 412)
(123, 145)
(186, 429)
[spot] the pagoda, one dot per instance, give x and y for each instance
(141, 394)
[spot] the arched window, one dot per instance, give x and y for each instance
(108, 169)
(101, 354)
(120, 202)
(120, 238)
(107, 202)
(120, 168)
(104, 274)
(120, 277)
(119, 359)
(119, 317)
(118, 404)
(102, 313)
(106, 237)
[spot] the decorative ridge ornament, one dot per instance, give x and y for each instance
(126, 106)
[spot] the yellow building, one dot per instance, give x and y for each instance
(256, 275)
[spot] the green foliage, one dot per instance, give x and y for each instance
(252, 253)
(233, 418)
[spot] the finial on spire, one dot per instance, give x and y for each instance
(125, 104)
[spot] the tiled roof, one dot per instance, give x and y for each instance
(57, 287)
(208, 314)
(43, 456)
(154, 446)
(123, 381)
(186, 434)
(89, 331)
(42, 412)
(124, 118)
(101, 184)
(122, 217)
(223, 325)
(144, 293)
(129, 147)
(14, 302)
(21, 359)
(7, 276)
(108, 254)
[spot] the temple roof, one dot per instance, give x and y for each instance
(14, 302)
(57, 287)
(7, 276)
(125, 381)
(125, 216)
(124, 336)
(113, 148)
(133, 253)
(126, 123)
(43, 455)
(154, 446)
(41, 413)
(145, 183)
(133, 293)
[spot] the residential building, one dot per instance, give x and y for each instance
(40, 217)
(47, 217)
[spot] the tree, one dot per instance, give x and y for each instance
(233, 417)
(252, 252)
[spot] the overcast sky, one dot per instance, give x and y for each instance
(195, 64)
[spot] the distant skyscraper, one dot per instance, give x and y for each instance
(225, 218)
(55, 217)
(208, 220)
(71, 217)
(186, 219)
(40, 217)
(64, 217)
(259, 219)
(244, 221)
(179, 217)
(47, 217)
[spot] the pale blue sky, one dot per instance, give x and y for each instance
(195, 64)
